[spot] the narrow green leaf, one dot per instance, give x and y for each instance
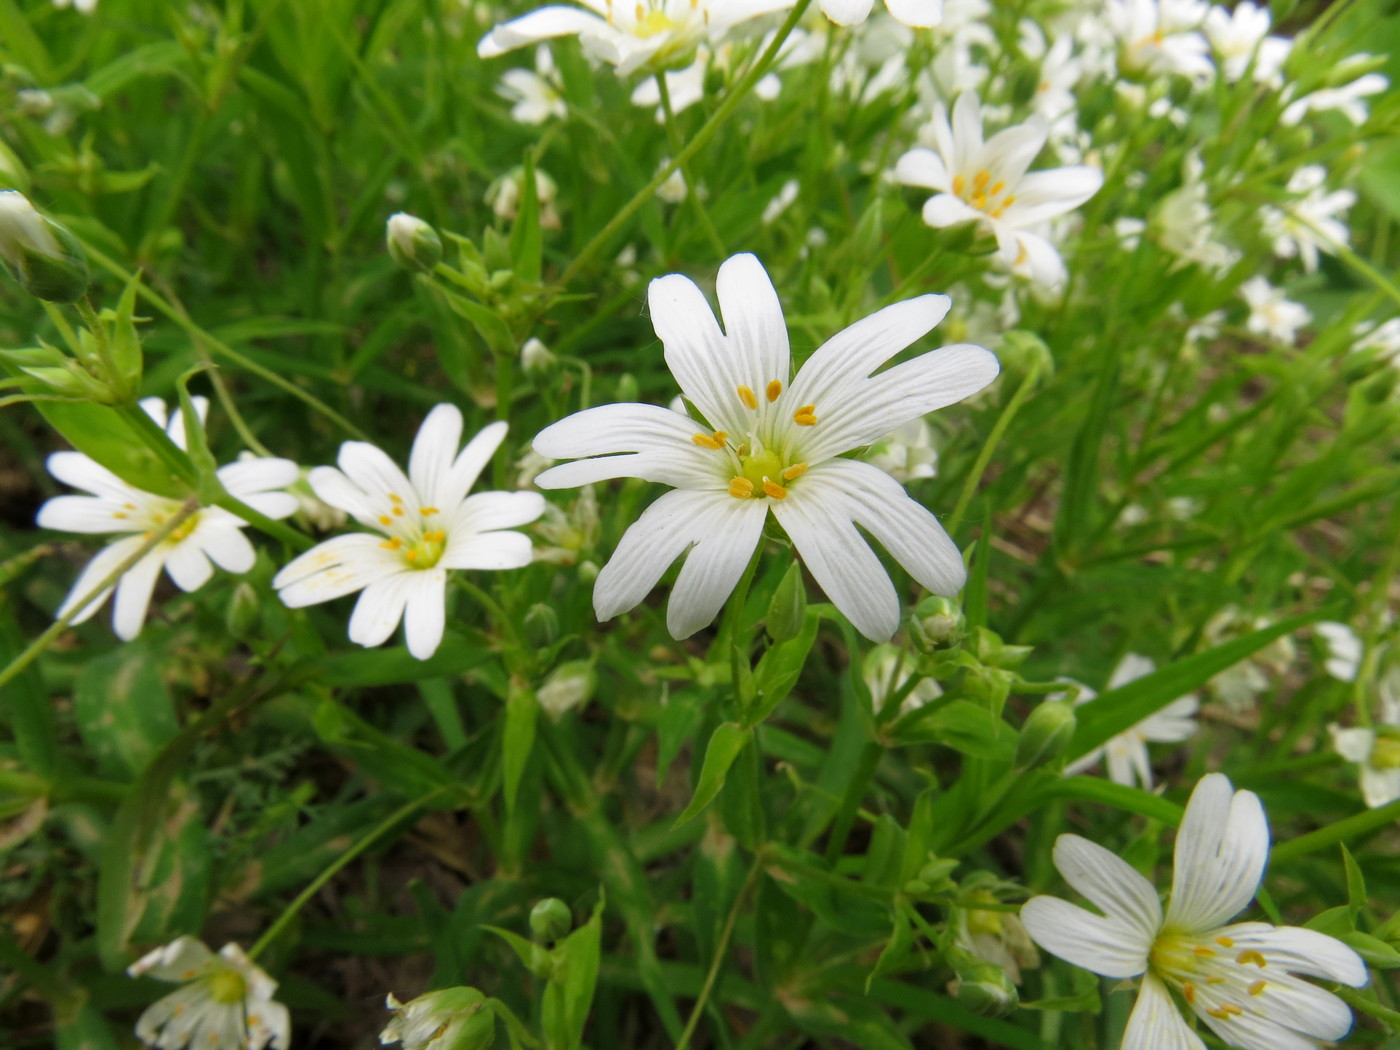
(1356, 884)
(123, 710)
(526, 247)
(27, 707)
(725, 744)
(517, 739)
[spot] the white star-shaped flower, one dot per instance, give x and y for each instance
(987, 182)
(226, 1002)
(1310, 224)
(424, 524)
(1271, 313)
(1242, 979)
(211, 534)
(770, 441)
(1376, 749)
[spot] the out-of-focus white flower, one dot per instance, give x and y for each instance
(1185, 225)
(674, 189)
(685, 86)
(209, 535)
(1344, 650)
(42, 256)
(887, 669)
(567, 534)
(1376, 749)
(996, 937)
(781, 202)
(424, 523)
(503, 196)
(1060, 72)
(1241, 37)
(1128, 760)
(449, 1019)
(1309, 224)
(1238, 686)
(535, 356)
(1383, 337)
(1160, 36)
(226, 1002)
(570, 684)
(1241, 980)
(538, 96)
(987, 182)
(1346, 99)
(86, 7)
(906, 454)
(921, 14)
(1270, 313)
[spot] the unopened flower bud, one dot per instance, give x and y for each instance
(242, 616)
(1025, 353)
(937, 621)
(985, 989)
(788, 610)
(451, 1019)
(46, 260)
(413, 244)
(535, 356)
(1046, 734)
(541, 625)
(568, 686)
(550, 920)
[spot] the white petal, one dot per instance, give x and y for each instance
(133, 595)
(488, 511)
(434, 449)
(246, 477)
(86, 514)
(1128, 761)
(380, 609)
(847, 12)
(919, 14)
(187, 565)
(840, 561)
(696, 352)
(226, 545)
(1156, 1024)
(683, 467)
(1221, 851)
(373, 472)
(276, 505)
(333, 487)
(611, 429)
(967, 131)
(923, 167)
(183, 959)
(538, 25)
(273, 1028)
(1352, 744)
(727, 535)
(1042, 195)
(1033, 256)
(1173, 723)
(489, 550)
(467, 467)
(335, 568)
(1009, 152)
(947, 210)
(76, 469)
(1110, 883)
(425, 611)
(1102, 945)
(1301, 951)
(97, 570)
(1379, 786)
(1129, 669)
(755, 331)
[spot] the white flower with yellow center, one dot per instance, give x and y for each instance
(424, 524)
(770, 441)
(1271, 313)
(226, 1002)
(1241, 979)
(210, 535)
(987, 182)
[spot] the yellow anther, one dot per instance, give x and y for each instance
(428, 511)
(1021, 255)
(1225, 942)
(995, 213)
(189, 975)
(1189, 991)
(997, 187)
(393, 543)
(1257, 988)
(129, 506)
(1203, 951)
(436, 536)
(398, 511)
(1219, 1013)
(254, 1020)
(714, 442)
(959, 184)
(741, 488)
(395, 497)
(641, 13)
(775, 491)
(980, 180)
(979, 201)
(747, 397)
(384, 519)
(1215, 980)
(774, 389)
(794, 471)
(1250, 955)
(119, 514)
(805, 416)
(411, 555)
(1009, 201)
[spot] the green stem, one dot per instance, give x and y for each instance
(288, 535)
(989, 447)
(1340, 831)
(377, 832)
(720, 948)
(153, 540)
(692, 189)
(702, 137)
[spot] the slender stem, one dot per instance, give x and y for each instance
(989, 447)
(1352, 827)
(692, 188)
(288, 535)
(377, 832)
(153, 540)
(720, 948)
(703, 136)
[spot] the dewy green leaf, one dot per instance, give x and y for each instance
(725, 744)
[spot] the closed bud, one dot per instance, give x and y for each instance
(788, 610)
(535, 356)
(1045, 735)
(541, 625)
(242, 617)
(413, 244)
(46, 260)
(451, 1019)
(550, 920)
(1025, 353)
(627, 388)
(568, 686)
(985, 989)
(937, 621)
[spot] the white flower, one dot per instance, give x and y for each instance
(1344, 650)
(770, 441)
(538, 96)
(449, 1019)
(226, 1002)
(781, 202)
(1184, 224)
(657, 34)
(1270, 313)
(1128, 761)
(1345, 98)
(1308, 226)
(424, 524)
(994, 936)
(1383, 337)
(1236, 687)
(504, 195)
(685, 86)
(1240, 979)
(987, 182)
(210, 534)
(1241, 37)
(886, 670)
(1376, 750)
(907, 453)
(921, 14)
(1159, 35)
(86, 7)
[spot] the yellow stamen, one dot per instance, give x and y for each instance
(1021, 255)
(411, 555)
(959, 183)
(384, 519)
(714, 442)
(747, 397)
(1257, 988)
(979, 201)
(392, 544)
(428, 511)
(805, 416)
(1204, 952)
(641, 13)
(775, 491)
(119, 514)
(396, 497)
(398, 512)
(997, 188)
(794, 471)
(1225, 942)
(1009, 201)
(995, 213)
(1249, 955)
(774, 389)
(1189, 991)
(980, 180)
(741, 488)
(1215, 980)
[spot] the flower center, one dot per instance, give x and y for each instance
(650, 23)
(418, 543)
(1211, 974)
(984, 194)
(1385, 753)
(760, 470)
(227, 987)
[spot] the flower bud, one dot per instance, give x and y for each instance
(413, 244)
(937, 621)
(1025, 353)
(535, 356)
(788, 610)
(985, 989)
(568, 686)
(1045, 735)
(451, 1019)
(242, 616)
(550, 920)
(46, 260)
(541, 625)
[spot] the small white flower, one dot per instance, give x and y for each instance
(987, 182)
(424, 524)
(921, 14)
(674, 189)
(1376, 750)
(1383, 337)
(770, 441)
(1308, 225)
(1240, 979)
(535, 97)
(781, 202)
(886, 670)
(1160, 36)
(504, 195)
(906, 454)
(1128, 760)
(1344, 650)
(1241, 37)
(226, 1002)
(1345, 98)
(449, 1019)
(1237, 687)
(210, 534)
(995, 937)
(86, 7)
(1270, 313)
(1184, 223)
